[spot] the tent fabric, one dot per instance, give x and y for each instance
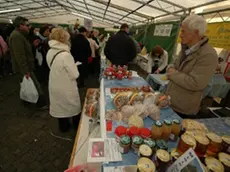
(111, 12)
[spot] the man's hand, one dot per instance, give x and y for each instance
(170, 72)
(27, 75)
(157, 71)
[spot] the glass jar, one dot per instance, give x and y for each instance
(157, 130)
(202, 143)
(145, 151)
(186, 142)
(225, 160)
(150, 142)
(136, 142)
(125, 143)
(145, 164)
(162, 144)
(119, 131)
(133, 131)
(167, 128)
(226, 144)
(162, 160)
(214, 146)
(214, 165)
(176, 129)
(145, 133)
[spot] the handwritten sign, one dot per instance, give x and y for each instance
(163, 30)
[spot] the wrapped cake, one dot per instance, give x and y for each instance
(121, 99)
(141, 110)
(126, 112)
(162, 100)
(136, 98)
(136, 121)
(113, 115)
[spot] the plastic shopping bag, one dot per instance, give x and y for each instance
(39, 57)
(28, 91)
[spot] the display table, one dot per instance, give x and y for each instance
(218, 87)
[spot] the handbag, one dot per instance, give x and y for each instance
(51, 63)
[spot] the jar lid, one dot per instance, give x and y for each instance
(137, 140)
(145, 150)
(214, 137)
(146, 165)
(224, 158)
(162, 144)
(167, 122)
(125, 140)
(189, 140)
(202, 139)
(214, 164)
(174, 153)
(163, 155)
(120, 130)
(133, 130)
(176, 121)
(145, 132)
(158, 124)
(150, 142)
(226, 139)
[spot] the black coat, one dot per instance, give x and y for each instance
(120, 49)
(80, 48)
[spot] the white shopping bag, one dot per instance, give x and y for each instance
(28, 91)
(39, 57)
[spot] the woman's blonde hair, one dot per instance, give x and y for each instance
(59, 34)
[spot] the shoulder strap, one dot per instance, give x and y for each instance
(51, 63)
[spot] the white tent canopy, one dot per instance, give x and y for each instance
(104, 13)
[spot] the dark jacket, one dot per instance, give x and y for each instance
(80, 48)
(21, 53)
(120, 49)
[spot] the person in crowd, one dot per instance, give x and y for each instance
(43, 69)
(95, 33)
(34, 40)
(160, 59)
(64, 96)
(81, 51)
(120, 48)
(3, 53)
(22, 55)
(76, 27)
(97, 59)
(190, 74)
(94, 47)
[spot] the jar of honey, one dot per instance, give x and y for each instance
(214, 165)
(162, 144)
(136, 142)
(125, 143)
(145, 165)
(186, 142)
(202, 143)
(162, 160)
(157, 130)
(167, 128)
(214, 146)
(150, 142)
(224, 158)
(174, 154)
(176, 129)
(226, 144)
(145, 151)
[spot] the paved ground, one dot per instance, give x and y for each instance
(26, 140)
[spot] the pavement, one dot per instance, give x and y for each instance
(28, 142)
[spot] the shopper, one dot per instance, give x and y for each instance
(81, 51)
(192, 71)
(97, 59)
(120, 48)
(160, 59)
(3, 53)
(22, 55)
(64, 96)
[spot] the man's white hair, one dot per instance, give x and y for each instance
(195, 22)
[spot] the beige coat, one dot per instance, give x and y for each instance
(194, 74)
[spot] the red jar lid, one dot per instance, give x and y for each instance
(120, 130)
(132, 131)
(145, 133)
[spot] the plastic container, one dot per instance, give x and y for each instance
(133, 131)
(120, 130)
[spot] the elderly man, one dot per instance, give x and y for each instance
(193, 70)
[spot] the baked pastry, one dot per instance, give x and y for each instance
(121, 99)
(141, 110)
(136, 121)
(126, 112)
(113, 115)
(136, 98)
(153, 111)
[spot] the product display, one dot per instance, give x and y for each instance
(126, 112)
(91, 102)
(91, 109)
(117, 72)
(162, 100)
(125, 143)
(224, 158)
(167, 128)
(226, 144)
(157, 130)
(113, 115)
(146, 165)
(162, 160)
(214, 165)
(136, 121)
(121, 99)
(186, 142)
(214, 146)
(145, 151)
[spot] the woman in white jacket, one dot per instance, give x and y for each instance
(64, 95)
